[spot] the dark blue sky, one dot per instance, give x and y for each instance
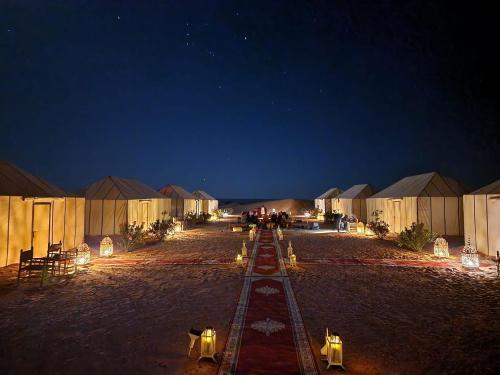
(249, 99)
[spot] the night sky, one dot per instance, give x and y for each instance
(261, 99)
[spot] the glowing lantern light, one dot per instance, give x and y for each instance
(82, 254)
(441, 248)
(106, 247)
(333, 350)
(293, 260)
(178, 227)
(290, 248)
(280, 234)
(360, 227)
(470, 257)
(244, 249)
(369, 232)
(208, 337)
(251, 235)
(239, 260)
(353, 227)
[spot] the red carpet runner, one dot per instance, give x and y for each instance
(267, 335)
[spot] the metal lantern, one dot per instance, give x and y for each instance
(82, 254)
(333, 350)
(239, 260)
(290, 248)
(470, 257)
(208, 337)
(178, 227)
(251, 235)
(244, 249)
(369, 232)
(360, 227)
(441, 248)
(280, 234)
(353, 227)
(293, 260)
(106, 247)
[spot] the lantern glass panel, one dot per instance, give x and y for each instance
(106, 247)
(441, 248)
(82, 254)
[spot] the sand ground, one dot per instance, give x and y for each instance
(397, 320)
(129, 319)
(134, 318)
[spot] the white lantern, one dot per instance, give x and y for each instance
(290, 248)
(208, 337)
(470, 257)
(360, 227)
(82, 254)
(244, 249)
(441, 248)
(106, 247)
(239, 260)
(293, 260)
(333, 350)
(250, 235)
(280, 234)
(178, 227)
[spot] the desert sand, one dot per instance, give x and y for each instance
(133, 317)
(397, 320)
(128, 319)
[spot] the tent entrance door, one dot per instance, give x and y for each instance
(397, 216)
(41, 229)
(144, 213)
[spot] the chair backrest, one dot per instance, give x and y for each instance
(54, 250)
(25, 255)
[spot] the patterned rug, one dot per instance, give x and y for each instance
(267, 335)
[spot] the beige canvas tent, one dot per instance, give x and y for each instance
(428, 198)
(182, 201)
(206, 203)
(324, 201)
(352, 202)
(482, 218)
(34, 213)
(114, 201)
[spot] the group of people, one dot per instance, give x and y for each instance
(261, 218)
(340, 221)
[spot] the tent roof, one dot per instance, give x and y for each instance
(120, 188)
(331, 193)
(357, 191)
(16, 182)
(175, 191)
(427, 184)
(493, 188)
(200, 194)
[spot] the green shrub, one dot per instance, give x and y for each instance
(160, 229)
(377, 226)
(132, 235)
(218, 213)
(192, 218)
(415, 237)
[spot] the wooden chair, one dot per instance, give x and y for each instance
(31, 266)
(54, 257)
(63, 262)
(67, 263)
